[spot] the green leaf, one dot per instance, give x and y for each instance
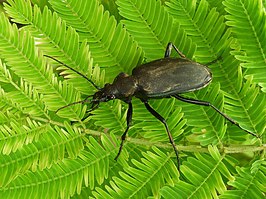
(50, 32)
(20, 43)
(203, 178)
(146, 176)
(153, 28)
(247, 19)
(72, 173)
(53, 145)
(110, 45)
(250, 183)
(45, 153)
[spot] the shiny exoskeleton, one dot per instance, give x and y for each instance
(162, 78)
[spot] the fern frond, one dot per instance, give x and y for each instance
(28, 99)
(20, 43)
(43, 155)
(143, 178)
(204, 177)
(205, 28)
(5, 76)
(102, 34)
(153, 28)
(55, 39)
(41, 77)
(66, 177)
(4, 117)
(218, 5)
(15, 134)
(110, 116)
(53, 145)
(247, 19)
(255, 109)
(79, 60)
(250, 183)
(22, 94)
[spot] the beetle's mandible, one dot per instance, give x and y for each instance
(162, 78)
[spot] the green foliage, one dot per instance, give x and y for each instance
(49, 154)
(141, 23)
(247, 19)
(249, 183)
(207, 182)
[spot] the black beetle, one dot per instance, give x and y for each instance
(162, 78)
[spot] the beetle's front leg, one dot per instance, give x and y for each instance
(129, 119)
(168, 50)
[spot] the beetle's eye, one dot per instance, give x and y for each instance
(111, 97)
(108, 98)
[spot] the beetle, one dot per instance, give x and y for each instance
(161, 78)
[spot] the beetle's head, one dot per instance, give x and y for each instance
(107, 93)
(123, 87)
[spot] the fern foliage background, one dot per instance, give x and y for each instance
(49, 154)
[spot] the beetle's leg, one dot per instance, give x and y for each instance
(159, 117)
(204, 103)
(168, 50)
(129, 119)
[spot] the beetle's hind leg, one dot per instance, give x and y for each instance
(168, 50)
(204, 103)
(159, 117)
(123, 137)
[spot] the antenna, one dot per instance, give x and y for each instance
(71, 104)
(89, 80)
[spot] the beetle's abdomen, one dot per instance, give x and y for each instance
(164, 77)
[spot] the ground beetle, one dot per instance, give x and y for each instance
(162, 78)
